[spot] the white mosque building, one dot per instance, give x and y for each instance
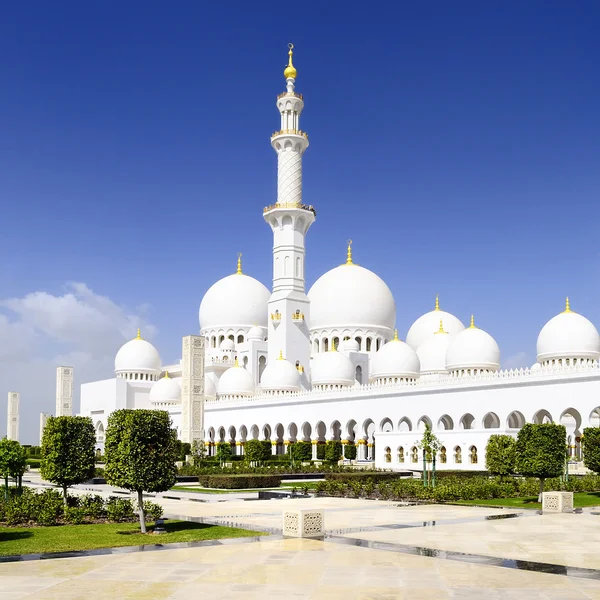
(285, 365)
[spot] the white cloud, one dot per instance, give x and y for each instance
(41, 331)
(517, 361)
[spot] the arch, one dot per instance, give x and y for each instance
(388, 454)
(325, 342)
(320, 431)
(443, 455)
(404, 424)
(473, 455)
(266, 432)
(400, 454)
(368, 344)
(306, 431)
(245, 361)
(542, 416)
(335, 343)
(211, 434)
(467, 421)
(350, 431)
(515, 420)
(232, 433)
(335, 431)
(279, 431)
(262, 363)
(221, 434)
(594, 417)
(423, 422)
(358, 340)
(358, 374)
(99, 432)
(317, 346)
(446, 423)
(386, 425)
(292, 432)
(368, 428)
(491, 421)
(571, 419)
(243, 433)
(457, 455)
(240, 339)
(414, 455)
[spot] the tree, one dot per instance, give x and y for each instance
(13, 462)
(140, 452)
(198, 452)
(224, 452)
(500, 455)
(591, 448)
(68, 456)
(540, 451)
(430, 445)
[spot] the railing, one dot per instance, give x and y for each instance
(290, 132)
(290, 205)
(293, 94)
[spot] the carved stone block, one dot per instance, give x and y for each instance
(557, 502)
(304, 523)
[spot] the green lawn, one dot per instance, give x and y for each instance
(580, 500)
(63, 538)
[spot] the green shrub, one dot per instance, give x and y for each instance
(350, 451)
(119, 510)
(591, 448)
(500, 454)
(49, 507)
(362, 476)
(333, 450)
(239, 482)
(301, 451)
(34, 463)
(93, 506)
(321, 451)
(74, 515)
(152, 510)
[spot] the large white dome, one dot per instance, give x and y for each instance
(351, 296)
(234, 301)
(332, 368)
(236, 381)
(568, 335)
(138, 356)
(210, 388)
(395, 359)
(280, 376)
(165, 390)
(426, 325)
(432, 353)
(473, 348)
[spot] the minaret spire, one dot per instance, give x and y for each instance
(239, 264)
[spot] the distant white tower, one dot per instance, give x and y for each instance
(290, 219)
(43, 421)
(192, 389)
(12, 423)
(64, 391)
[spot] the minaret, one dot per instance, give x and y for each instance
(12, 423)
(64, 391)
(289, 219)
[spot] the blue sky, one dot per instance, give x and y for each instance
(457, 144)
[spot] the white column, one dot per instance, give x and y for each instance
(64, 392)
(362, 448)
(12, 423)
(43, 421)
(192, 389)
(315, 443)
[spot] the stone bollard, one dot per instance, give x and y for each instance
(303, 523)
(557, 502)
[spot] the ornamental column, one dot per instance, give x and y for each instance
(315, 443)
(12, 422)
(192, 389)
(289, 219)
(64, 391)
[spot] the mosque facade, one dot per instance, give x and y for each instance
(288, 365)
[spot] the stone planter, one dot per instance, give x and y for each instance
(557, 502)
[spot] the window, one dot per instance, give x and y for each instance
(457, 455)
(368, 344)
(414, 454)
(240, 339)
(473, 455)
(443, 458)
(388, 455)
(401, 454)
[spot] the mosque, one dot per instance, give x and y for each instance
(285, 365)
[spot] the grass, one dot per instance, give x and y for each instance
(64, 538)
(580, 500)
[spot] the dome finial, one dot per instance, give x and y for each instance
(333, 348)
(567, 306)
(290, 70)
(239, 265)
(441, 329)
(395, 336)
(472, 325)
(236, 363)
(280, 355)
(139, 336)
(437, 302)
(167, 375)
(349, 253)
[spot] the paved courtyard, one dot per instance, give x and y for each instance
(378, 550)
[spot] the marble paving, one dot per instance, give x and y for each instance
(291, 568)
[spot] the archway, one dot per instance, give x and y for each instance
(542, 416)
(595, 417)
(404, 424)
(99, 432)
(491, 421)
(386, 425)
(335, 431)
(306, 431)
(351, 430)
(423, 423)
(292, 432)
(466, 421)
(266, 432)
(221, 434)
(445, 423)
(254, 432)
(515, 420)
(320, 431)
(571, 419)
(243, 433)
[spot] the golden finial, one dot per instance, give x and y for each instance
(567, 306)
(236, 363)
(441, 329)
(167, 375)
(290, 70)
(333, 348)
(472, 325)
(395, 336)
(139, 336)
(239, 265)
(437, 302)
(281, 355)
(349, 253)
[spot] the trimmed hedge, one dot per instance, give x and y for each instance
(34, 463)
(239, 482)
(362, 476)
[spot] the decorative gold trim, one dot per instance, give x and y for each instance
(472, 325)
(139, 336)
(437, 302)
(239, 264)
(349, 253)
(289, 132)
(567, 306)
(290, 70)
(441, 329)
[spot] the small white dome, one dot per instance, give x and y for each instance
(236, 381)
(280, 376)
(432, 353)
(256, 333)
(234, 301)
(227, 344)
(332, 368)
(395, 359)
(568, 335)
(426, 325)
(138, 355)
(165, 390)
(351, 296)
(210, 388)
(473, 348)
(535, 367)
(350, 345)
